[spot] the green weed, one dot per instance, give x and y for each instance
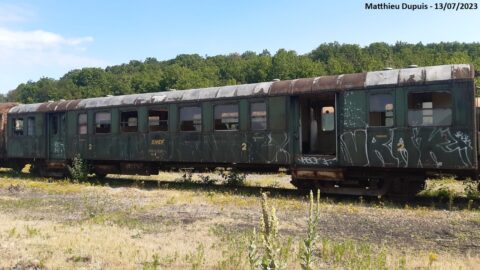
(197, 257)
(154, 264)
(309, 243)
(79, 169)
(232, 177)
(31, 231)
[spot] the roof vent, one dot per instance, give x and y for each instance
(109, 95)
(276, 80)
(412, 66)
(51, 101)
(387, 68)
(62, 99)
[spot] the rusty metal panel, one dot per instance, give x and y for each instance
(384, 77)
(324, 83)
(302, 86)
(281, 88)
(25, 108)
(71, 104)
(349, 81)
(4, 108)
(328, 174)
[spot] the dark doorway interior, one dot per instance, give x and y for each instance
(318, 124)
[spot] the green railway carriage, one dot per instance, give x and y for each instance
(365, 133)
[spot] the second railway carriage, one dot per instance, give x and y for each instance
(365, 133)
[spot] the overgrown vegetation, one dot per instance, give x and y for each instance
(307, 253)
(270, 239)
(194, 71)
(232, 177)
(273, 252)
(79, 169)
(471, 189)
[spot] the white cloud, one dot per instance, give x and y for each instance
(36, 40)
(31, 54)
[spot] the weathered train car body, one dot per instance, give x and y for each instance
(344, 133)
(4, 108)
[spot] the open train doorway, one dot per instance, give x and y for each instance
(56, 131)
(318, 128)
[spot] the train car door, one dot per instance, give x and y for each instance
(56, 130)
(318, 130)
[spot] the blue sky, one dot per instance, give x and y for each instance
(48, 38)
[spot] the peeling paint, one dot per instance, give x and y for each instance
(342, 82)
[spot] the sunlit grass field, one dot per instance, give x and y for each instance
(60, 224)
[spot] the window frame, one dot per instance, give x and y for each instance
(382, 92)
(164, 108)
(267, 122)
(425, 91)
(238, 116)
(29, 132)
(95, 123)
(179, 122)
(120, 122)
(78, 123)
(14, 130)
(331, 113)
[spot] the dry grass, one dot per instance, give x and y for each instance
(63, 225)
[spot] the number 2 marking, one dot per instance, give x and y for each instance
(244, 146)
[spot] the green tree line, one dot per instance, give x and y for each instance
(195, 71)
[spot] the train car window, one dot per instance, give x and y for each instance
(158, 120)
(129, 121)
(328, 118)
(103, 122)
(82, 123)
(190, 119)
(31, 126)
(18, 126)
(54, 125)
(226, 117)
(258, 116)
(429, 109)
(381, 110)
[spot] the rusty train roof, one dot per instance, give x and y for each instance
(410, 76)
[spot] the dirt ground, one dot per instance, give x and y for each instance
(58, 225)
